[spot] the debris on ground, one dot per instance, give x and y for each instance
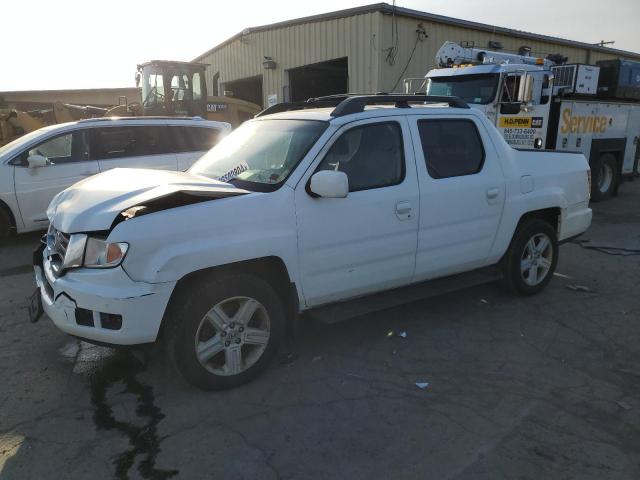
(624, 405)
(390, 333)
(561, 275)
(579, 288)
(316, 359)
(422, 385)
(402, 334)
(484, 300)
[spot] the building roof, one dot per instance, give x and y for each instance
(407, 12)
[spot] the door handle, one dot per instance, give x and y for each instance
(493, 193)
(403, 210)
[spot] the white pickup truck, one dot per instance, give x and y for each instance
(308, 208)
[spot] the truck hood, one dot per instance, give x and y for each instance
(98, 202)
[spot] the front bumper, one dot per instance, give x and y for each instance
(67, 299)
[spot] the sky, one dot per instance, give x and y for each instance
(60, 44)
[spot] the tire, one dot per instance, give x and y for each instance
(5, 223)
(528, 267)
(604, 177)
(224, 330)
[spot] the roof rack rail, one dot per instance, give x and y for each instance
(346, 104)
(150, 117)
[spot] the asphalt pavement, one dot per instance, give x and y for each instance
(528, 388)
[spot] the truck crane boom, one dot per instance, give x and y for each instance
(452, 53)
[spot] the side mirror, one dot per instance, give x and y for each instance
(330, 184)
(525, 95)
(36, 161)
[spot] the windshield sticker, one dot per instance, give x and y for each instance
(234, 172)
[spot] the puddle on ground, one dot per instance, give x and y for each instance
(108, 371)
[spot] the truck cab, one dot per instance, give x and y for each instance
(515, 97)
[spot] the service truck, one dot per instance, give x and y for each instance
(541, 103)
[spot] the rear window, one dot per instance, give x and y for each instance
(452, 148)
(194, 139)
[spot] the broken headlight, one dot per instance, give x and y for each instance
(102, 254)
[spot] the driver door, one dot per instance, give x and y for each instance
(68, 157)
(522, 116)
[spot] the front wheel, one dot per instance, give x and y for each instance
(226, 330)
(532, 257)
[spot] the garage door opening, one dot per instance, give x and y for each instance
(318, 79)
(249, 89)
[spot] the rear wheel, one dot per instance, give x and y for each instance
(226, 331)
(605, 177)
(532, 257)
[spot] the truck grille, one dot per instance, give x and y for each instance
(57, 243)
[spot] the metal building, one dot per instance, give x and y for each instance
(363, 49)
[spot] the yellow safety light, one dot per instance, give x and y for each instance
(539, 61)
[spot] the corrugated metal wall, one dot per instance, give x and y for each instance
(364, 39)
(424, 57)
(299, 45)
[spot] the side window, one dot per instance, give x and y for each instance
(113, 142)
(150, 140)
(197, 86)
(510, 88)
(67, 148)
(203, 139)
(372, 156)
(451, 148)
(546, 90)
(194, 139)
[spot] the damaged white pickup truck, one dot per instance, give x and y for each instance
(308, 208)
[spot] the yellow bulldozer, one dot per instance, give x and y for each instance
(168, 88)
(14, 123)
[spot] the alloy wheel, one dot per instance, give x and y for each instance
(536, 259)
(232, 336)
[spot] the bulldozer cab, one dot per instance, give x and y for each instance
(172, 88)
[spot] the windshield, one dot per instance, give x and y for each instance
(479, 88)
(259, 155)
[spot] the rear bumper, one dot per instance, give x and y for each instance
(84, 294)
(575, 220)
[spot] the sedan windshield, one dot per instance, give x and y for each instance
(260, 154)
(470, 88)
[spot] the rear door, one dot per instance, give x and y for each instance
(190, 143)
(133, 146)
(462, 193)
(68, 155)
